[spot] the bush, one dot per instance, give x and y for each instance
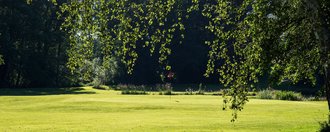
(280, 95)
(132, 89)
(97, 83)
(316, 98)
(134, 92)
(165, 89)
(251, 94)
(325, 126)
(95, 73)
(121, 87)
(102, 87)
(217, 94)
(265, 94)
(167, 92)
(188, 91)
(288, 95)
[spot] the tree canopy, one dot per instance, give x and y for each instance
(286, 39)
(120, 26)
(32, 46)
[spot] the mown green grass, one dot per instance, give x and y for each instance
(111, 111)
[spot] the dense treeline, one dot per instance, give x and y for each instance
(189, 54)
(34, 50)
(32, 45)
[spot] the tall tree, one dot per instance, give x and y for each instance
(31, 44)
(287, 39)
(120, 26)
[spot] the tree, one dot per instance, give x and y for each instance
(120, 26)
(287, 39)
(96, 33)
(31, 45)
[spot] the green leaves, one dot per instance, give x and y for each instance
(119, 26)
(249, 42)
(29, 1)
(248, 37)
(1, 60)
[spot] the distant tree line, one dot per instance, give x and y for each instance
(33, 52)
(32, 45)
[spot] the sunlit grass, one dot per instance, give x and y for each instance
(111, 111)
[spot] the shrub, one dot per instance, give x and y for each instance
(251, 94)
(121, 87)
(165, 89)
(96, 74)
(102, 87)
(325, 126)
(167, 92)
(188, 91)
(217, 93)
(134, 92)
(316, 98)
(132, 89)
(97, 83)
(200, 90)
(265, 94)
(280, 95)
(221, 92)
(288, 95)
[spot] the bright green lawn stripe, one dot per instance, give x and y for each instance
(110, 111)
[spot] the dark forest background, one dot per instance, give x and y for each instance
(35, 52)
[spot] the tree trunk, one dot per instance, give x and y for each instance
(19, 74)
(325, 51)
(327, 85)
(326, 66)
(58, 61)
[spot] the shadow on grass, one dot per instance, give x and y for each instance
(42, 91)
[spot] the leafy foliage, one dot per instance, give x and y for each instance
(252, 37)
(32, 46)
(265, 94)
(286, 39)
(1, 60)
(93, 72)
(132, 89)
(119, 26)
(280, 95)
(288, 95)
(165, 89)
(325, 126)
